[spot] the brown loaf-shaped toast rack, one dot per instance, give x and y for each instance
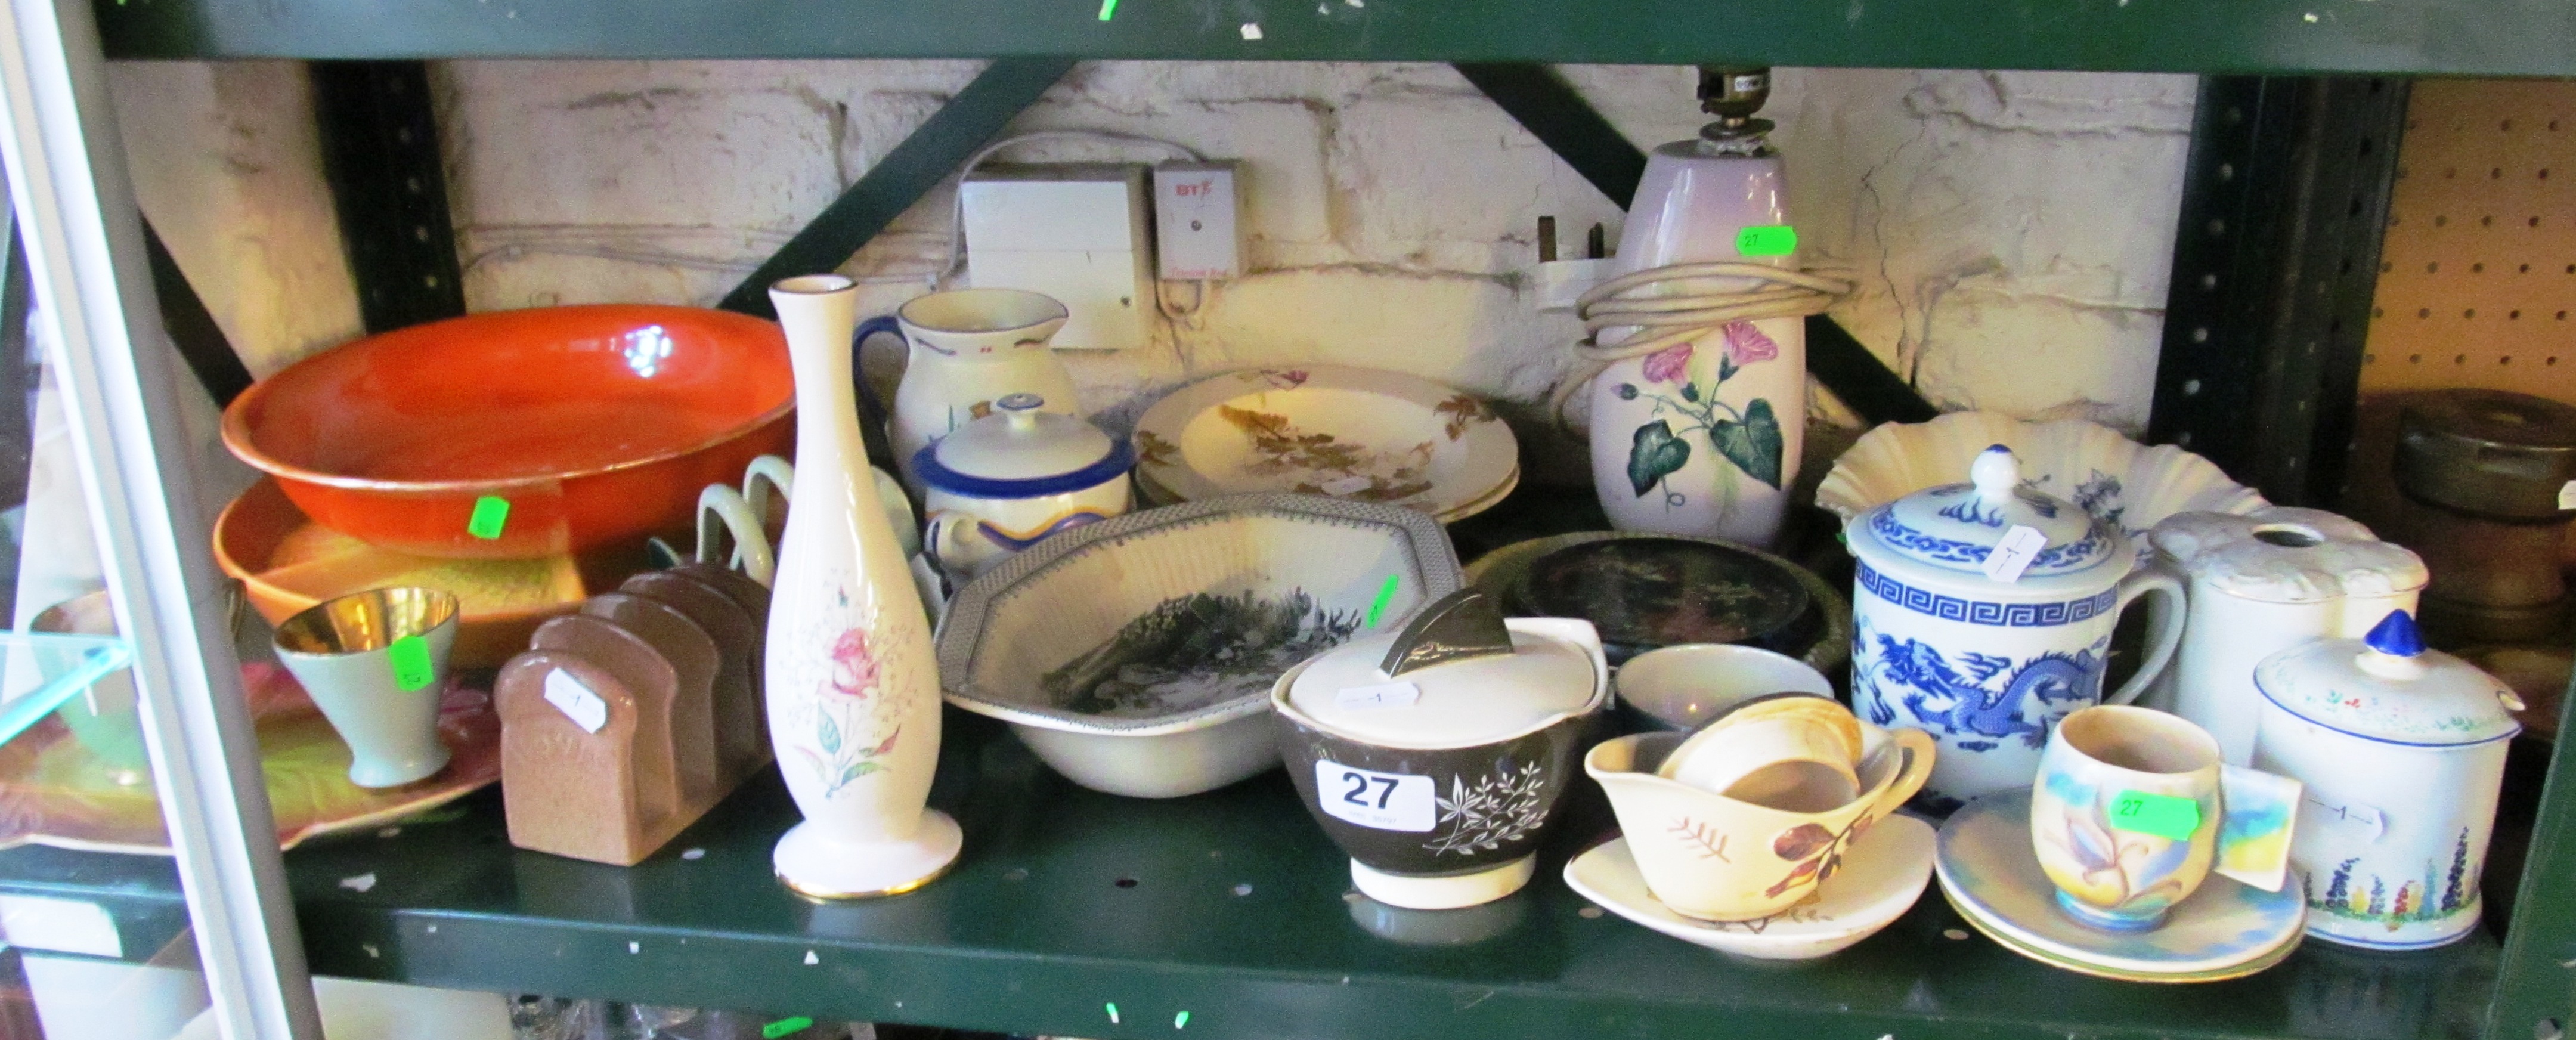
(624, 723)
(647, 676)
(571, 790)
(691, 653)
(742, 740)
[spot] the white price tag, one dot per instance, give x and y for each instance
(576, 701)
(2353, 820)
(1346, 485)
(2013, 552)
(2567, 495)
(1382, 695)
(1385, 801)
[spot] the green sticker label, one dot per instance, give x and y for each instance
(2161, 815)
(491, 512)
(784, 1026)
(410, 657)
(1385, 595)
(1773, 240)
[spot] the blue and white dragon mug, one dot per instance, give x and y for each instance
(1983, 613)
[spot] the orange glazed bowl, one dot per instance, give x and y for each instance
(596, 425)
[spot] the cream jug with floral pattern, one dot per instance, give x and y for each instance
(1982, 613)
(967, 349)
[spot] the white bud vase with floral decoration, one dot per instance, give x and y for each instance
(853, 687)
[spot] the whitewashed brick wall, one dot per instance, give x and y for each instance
(2011, 231)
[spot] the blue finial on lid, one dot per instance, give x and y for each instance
(2395, 635)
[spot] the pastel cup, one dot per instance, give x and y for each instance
(1688, 686)
(1716, 858)
(1792, 751)
(356, 657)
(2133, 809)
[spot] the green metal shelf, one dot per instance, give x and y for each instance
(1230, 906)
(2432, 37)
(140, 894)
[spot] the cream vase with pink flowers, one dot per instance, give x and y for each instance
(852, 686)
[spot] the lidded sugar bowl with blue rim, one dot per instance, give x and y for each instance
(2402, 750)
(1982, 613)
(1007, 480)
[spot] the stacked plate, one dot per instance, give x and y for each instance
(1351, 433)
(2224, 930)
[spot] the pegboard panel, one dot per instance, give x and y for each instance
(2477, 284)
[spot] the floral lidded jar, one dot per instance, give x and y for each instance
(1982, 613)
(1006, 481)
(1435, 755)
(2402, 750)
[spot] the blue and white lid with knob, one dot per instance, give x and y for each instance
(1959, 528)
(1021, 450)
(2385, 686)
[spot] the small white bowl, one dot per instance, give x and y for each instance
(1033, 642)
(1686, 686)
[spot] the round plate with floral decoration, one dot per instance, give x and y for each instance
(1155, 495)
(1353, 433)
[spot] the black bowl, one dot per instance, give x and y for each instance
(1643, 593)
(1432, 814)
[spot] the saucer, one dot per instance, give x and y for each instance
(288, 563)
(2225, 930)
(2044, 957)
(1883, 875)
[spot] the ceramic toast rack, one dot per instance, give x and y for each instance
(625, 722)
